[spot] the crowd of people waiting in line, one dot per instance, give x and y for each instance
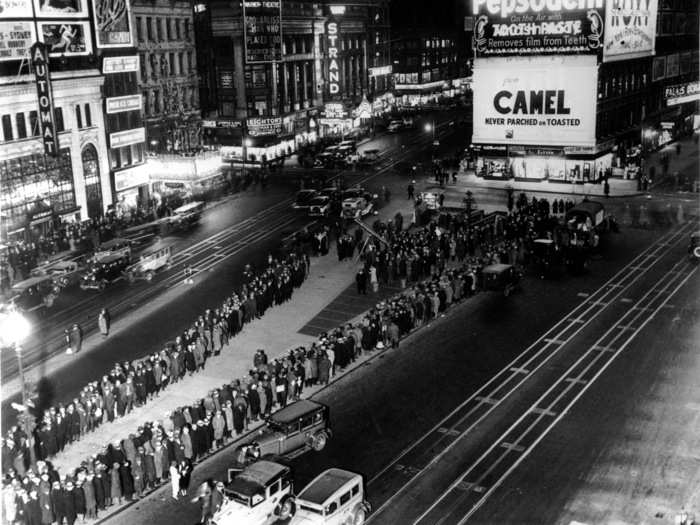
(442, 263)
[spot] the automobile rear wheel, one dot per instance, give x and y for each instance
(359, 518)
(319, 441)
(149, 276)
(286, 509)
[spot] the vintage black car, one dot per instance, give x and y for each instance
(501, 278)
(295, 429)
(106, 271)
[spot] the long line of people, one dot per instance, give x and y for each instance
(443, 263)
(132, 384)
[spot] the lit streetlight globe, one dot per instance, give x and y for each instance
(428, 127)
(14, 328)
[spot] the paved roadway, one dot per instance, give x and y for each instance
(242, 230)
(393, 404)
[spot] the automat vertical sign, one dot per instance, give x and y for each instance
(262, 27)
(40, 62)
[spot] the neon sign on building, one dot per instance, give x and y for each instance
(333, 66)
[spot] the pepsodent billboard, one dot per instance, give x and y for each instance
(543, 101)
(537, 27)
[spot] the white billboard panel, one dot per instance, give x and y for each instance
(630, 29)
(543, 101)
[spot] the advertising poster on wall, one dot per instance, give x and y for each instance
(112, 23)
(66, 38)
(16, 38)
(61, 8)
(15, 8)
(630, 29)
(682, 93)
(262, 28)
(528, 27)
(260, 127)
(543, 101)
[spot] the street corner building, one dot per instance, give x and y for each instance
(578, 91)
(60, 146)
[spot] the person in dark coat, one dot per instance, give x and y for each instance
(361, 280)
(69, 503)
(79, 501)
(75, 336)
(59, 507)
(185, 471)
(32, 509)
(126, 480)
(104, 321)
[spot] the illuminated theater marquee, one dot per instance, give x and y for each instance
(333, 67)
(507, 8)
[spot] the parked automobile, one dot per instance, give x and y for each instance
(501, 278)
(186, 216)
(357, 203)
(149, 263)
(395, 126)
(303, 198)
(34, 293)
(320, 206)
(64, 273)
(117, 246)
(334, 497)
(105, 271)
(294, 430)
(259, 495)
(694, 247)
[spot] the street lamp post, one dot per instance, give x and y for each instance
(246, 143)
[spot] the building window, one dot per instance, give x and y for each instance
(171, 57)
(190, 61)
(21, 126)
(7, 128)
(143, 66)
(149, 28)
(187, 29)
(58, 120)
(88, 116)
(93, 187)
(34, 124)
(169, 28)
(139, 32)
(78, 117)
(180, 64)
(159, 30)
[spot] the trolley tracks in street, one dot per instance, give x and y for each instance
(398, 477)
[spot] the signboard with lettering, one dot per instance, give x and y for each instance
(40, 63)
(112, 23)
(125, 103)
(332, 63)
(506, 27)
(60, 8)
(380, 71)
(682, 93)
(66, 39)
(262, 27)
(630, 29)
(221, 123)
(261, 126)
(125, 64)
(126, 138)
(16, 38)
(334, 110)
(549, 100)
(15, 8)
(130, 177)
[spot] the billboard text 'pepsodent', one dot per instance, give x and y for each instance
(506, 8)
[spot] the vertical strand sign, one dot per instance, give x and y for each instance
(262, 26)
(40, 62)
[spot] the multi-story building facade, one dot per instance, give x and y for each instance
(168, 78)
(68, 180)
(574, 104)
(428, 50)
(269, 107)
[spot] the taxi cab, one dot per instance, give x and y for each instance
(260, 495)
(335, 497)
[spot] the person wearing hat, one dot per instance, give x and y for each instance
(115, 484)
(90, 499)
(68, 500)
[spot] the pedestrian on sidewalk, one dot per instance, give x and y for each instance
(104, 321)
(185, 472)
(411, 189)
(606, 188)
